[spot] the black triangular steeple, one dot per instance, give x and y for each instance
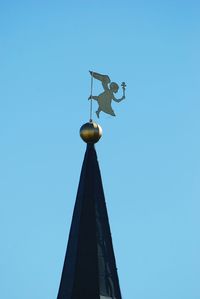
(89, 270)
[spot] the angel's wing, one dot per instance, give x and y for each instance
(103, 78)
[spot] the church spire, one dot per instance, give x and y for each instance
(89, 270)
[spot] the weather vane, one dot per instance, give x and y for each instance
(91, 132)
(105, 98)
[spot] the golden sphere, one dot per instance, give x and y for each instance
(91, 132)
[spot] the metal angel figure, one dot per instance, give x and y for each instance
(105, 98)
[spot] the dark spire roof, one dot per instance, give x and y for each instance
(89, 270)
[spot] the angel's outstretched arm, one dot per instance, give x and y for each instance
(103, 78)
(119, 100)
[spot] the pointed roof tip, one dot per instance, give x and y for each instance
(89, 269)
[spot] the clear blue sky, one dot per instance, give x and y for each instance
(149, 154)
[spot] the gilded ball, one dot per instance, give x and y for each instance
(91, 132)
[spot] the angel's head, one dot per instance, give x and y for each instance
(114, 87)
